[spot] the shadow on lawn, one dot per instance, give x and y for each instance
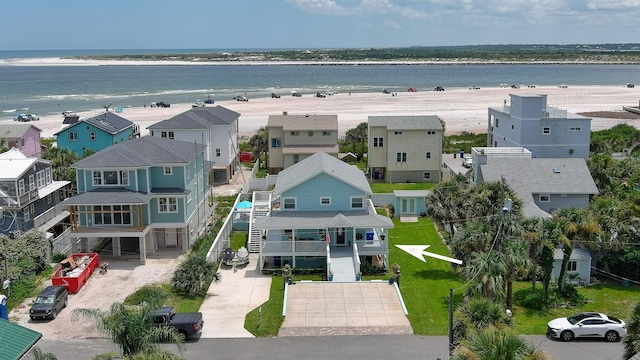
(436, 274)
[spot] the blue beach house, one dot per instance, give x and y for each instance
(139, 196)
(320, 215)
(97, 133)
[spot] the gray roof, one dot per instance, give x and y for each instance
(109, 196)
(13, 130)
(576, 254)
(322, 219)
(143, 152)
(108, 122)
(425, 122)
(319, 163)
(304, 122)
(198, 118)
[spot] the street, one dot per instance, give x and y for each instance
(383, 347)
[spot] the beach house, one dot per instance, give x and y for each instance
(29, 197)
(22, 136)
(96, 133)
(293, 138)
(139, 196)
(543, 184)
(320, 215)
(214, 127)
(548, 132)
(405, 148)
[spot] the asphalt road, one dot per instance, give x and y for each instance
(383, 347)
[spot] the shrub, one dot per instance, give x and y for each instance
(194, 275)
(147, 293)
(530, 299)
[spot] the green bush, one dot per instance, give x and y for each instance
(147, 293)
(57, 257)
(529, 299)
(194, 275)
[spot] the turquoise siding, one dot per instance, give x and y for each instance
(160, 180)
(85, 177)
(103, 139)
(309, 193)
(418, 204)
(177, 217)
(142, 180)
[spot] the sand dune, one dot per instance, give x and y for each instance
(461, 109)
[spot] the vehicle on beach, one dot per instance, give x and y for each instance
(26, 117)
(515, 86)
(587, 325)
(296, 94)
(385, 91)
(275, 96)
(163, 104)
(473, 87)
(630, 85)
(240, 98)
(68, 113)
(209, 101)
(330, 92)
(438, 88)
(412, 89)
(562, 86)
(320, 95)
(198, 103)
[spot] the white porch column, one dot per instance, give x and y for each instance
(143, 250)
(117, 249)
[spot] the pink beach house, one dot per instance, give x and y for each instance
(24, 137)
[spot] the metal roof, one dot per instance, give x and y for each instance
(198, 118)
(108, 122)
(319, 163)
(109, 196)
(426, 122)
(142, 152)
(16, 340)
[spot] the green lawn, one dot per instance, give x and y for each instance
(386, 188)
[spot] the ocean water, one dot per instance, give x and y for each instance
(45, 90)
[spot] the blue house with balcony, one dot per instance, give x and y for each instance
(97, 133)
(320, 215)
(139, 196)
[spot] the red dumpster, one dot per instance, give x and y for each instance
(75, 271)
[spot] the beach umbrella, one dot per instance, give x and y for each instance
(244, 205)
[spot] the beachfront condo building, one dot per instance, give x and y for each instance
(527, 121)
(96, 133)
(139, 196)
(29, 197)
(405, 148)
(293, 138)
(214, 127)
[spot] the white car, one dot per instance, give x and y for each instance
(467, 162)
(198, 104)
(587, 325)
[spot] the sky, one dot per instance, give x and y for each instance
(299, 24)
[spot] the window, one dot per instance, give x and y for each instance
(112, 215)
(546, 130)
(27, 214)
(544, 197)
(401, 157)
(426, 176)
(21, 187)
(167, 134)
(310, 133)
(378, 142)
(168, 205)
(397, 132)
(289, 203)
(431, 132)
(572, 265)
(295, 133)
(512, 127)
(326, 133)
(296, 158)
(325, 200)
(73, 136)
(575, 128)
(40, 178)
(49, 199)
(497, 122)
(97, 178)
(357, 202)
(570, 151)
(47, 175)
(275, 143)
(217, 152)
(188, 172)
(428, 154)
(92, 136)
(168, 170)
(32, 183)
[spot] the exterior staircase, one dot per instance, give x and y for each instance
(255, 235)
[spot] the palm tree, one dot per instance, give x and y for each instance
(131, 328)
(516, 259)
(38, 354)
(492, 343)
(632, 340)
(476, 315)
(474, 237)
(358, 135)
(486, 272)
(260, 144)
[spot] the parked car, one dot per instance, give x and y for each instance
(49, 303)
(163, 104)
(187, 324)
(320, 95)
(385, 91)
(26, 117)
(630, 85)
(587, 325)
(240, 98)
(209, 101)
(275, 96)
(296, 94)
(438, 88)
(467, 162)
(198, 103)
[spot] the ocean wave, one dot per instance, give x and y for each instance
(10, 111)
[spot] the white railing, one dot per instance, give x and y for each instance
(329, 271)
(63, 243)
(356, 259)
(49, 214)
(292, 247)
(223, 239)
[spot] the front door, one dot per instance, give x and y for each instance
(340, 236)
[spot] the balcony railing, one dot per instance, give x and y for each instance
(49, 214)
(304, 248)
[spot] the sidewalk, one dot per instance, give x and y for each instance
(230, 300)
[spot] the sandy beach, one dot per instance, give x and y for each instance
(461, 109)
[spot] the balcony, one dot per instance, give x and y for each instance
(292, 248)
(51, 217)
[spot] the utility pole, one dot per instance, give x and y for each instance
(450, 322)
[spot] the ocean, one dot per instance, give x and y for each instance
(46, 90)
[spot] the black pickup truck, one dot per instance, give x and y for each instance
(187, 324)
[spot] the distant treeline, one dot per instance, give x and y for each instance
(601, 53)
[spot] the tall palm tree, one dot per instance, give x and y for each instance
(632, 340)
(358, 136)
(504, 344)
(516, 259)
(486, 272)
(131, 328)
(260, 144)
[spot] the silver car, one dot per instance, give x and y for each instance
(587, 325)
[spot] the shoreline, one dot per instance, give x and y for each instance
(463, 110)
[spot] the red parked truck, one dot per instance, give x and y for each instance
(75, 270)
